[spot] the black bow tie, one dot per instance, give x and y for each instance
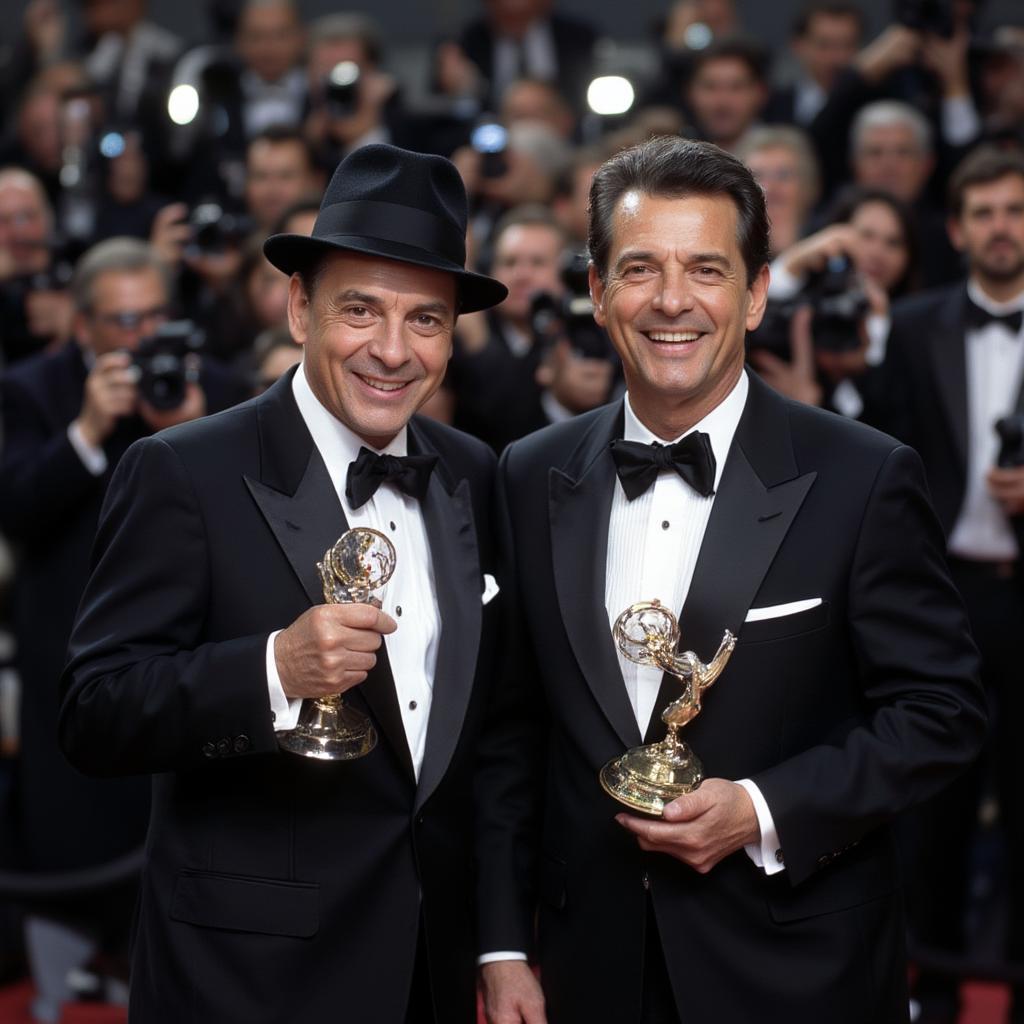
(978, 317)
(410, 473)
(638, 464)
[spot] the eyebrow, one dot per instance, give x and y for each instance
(353, 295)
(642, 256)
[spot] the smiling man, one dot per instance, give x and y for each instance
(770, 893)
(279, 887)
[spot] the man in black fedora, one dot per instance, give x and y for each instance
(280, 887)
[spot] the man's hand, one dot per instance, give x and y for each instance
(1007, 487)
(811, 254)
(110, 393)
(49, 314)
(894, 48)
(330, 648)
(795, 379)
(700, 828)
(191, 408)
(512, 994)
(170, 232)
(576, 382)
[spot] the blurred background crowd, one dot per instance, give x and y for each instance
(146, 154)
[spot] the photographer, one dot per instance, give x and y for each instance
(68, 416)
(953, 371)
(847, 274)
(517, 368)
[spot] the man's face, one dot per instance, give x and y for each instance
(377, 336)
(890, 157)
(990, 228)
(777, 170)
(269, 40)
(526, 261)
(127, 306)
(277, 175)
(726, 98)
(24, 225)
(677, 305)
(829, 45)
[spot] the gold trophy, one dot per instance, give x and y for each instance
(646, 778)
(361, 561)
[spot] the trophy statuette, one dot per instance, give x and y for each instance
(360, 561)
(648, 777)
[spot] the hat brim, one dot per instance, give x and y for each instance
(294, 253)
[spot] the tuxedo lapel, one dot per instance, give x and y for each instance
(302, 509)
(759, 496)
(948, 350)
(448, 519)
(579, 506)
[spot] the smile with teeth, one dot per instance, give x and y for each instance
(382, 385)
(674, 336)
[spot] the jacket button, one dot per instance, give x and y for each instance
(646, 880)
(241, 744)
(209, 750)
(224, 747)
(779, 859)
(419, 819)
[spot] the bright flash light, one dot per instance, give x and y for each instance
(611, 94)
(183, 104)
(344, 73)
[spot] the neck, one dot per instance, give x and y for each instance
(668, 417)
(1000, 290)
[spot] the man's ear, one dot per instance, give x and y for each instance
(597, 290)
(298, 310)
(82, 331)
(758, 292)
(956, 236)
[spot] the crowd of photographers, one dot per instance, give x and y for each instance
(139, 175)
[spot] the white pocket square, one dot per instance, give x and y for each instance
(491, 589)
(776, 611)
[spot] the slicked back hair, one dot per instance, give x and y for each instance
(675, 168)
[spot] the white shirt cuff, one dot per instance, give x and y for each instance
(285, 712)
(782, 285)
(94, 459)
(768, 854)
(877, 325)
(960, 121)
(490, 958)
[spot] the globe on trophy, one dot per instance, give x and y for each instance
(360, 562)
(648, 777)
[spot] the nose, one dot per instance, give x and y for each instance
(674, 295)
(390, 346)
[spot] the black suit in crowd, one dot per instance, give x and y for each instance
(278, 887)
(49, 509)
(843, 715)
(924, 402)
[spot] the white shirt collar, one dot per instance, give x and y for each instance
(720, 424)
(979, 298)
(337, 443)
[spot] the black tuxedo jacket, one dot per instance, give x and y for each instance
(843, 715)
(49, 506)
(921, 391)
(277, 888)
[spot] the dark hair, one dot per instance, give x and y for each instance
(527, 215)
(827, 9)
(852, 199)
(980, 167)
(280, 134)
(307, 204)
(677, 168)
(732, 47)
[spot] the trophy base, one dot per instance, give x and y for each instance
(329, 732)
(647, 778)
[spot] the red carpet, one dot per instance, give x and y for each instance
(985, 1004)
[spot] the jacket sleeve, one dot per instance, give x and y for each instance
(144, 690)
(919, 668)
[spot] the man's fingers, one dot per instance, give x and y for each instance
(359, 616)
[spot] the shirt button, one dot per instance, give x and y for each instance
(413, 705)
(665, 524)
(778, 857)
(398, 610)
(646, 880)
(392, 525)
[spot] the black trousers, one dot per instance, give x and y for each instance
(421, 997)
(658, 1005)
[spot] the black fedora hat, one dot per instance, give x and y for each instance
(390, 202)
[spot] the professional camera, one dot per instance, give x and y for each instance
(164, 364)
(490, 140)
(57, 276)
(933, 16)
(341, 89)
(570, 316)
(1011, 441)
(213, 230)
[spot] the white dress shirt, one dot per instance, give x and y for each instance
(409, 597)
(995, 364)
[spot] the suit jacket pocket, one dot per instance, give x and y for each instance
(239, 903)
(785, 625)
(552, 881)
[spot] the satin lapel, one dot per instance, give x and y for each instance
(949, 363)
(759, 496)
(458, 583)
(579, 505)
(306, 517)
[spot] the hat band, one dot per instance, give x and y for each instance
(392, 222)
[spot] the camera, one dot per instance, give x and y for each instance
(341, 89)
(1011, 441)
(570, 316)
(490, 140)
(164, 365)
(934, 16)
(213, 229)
